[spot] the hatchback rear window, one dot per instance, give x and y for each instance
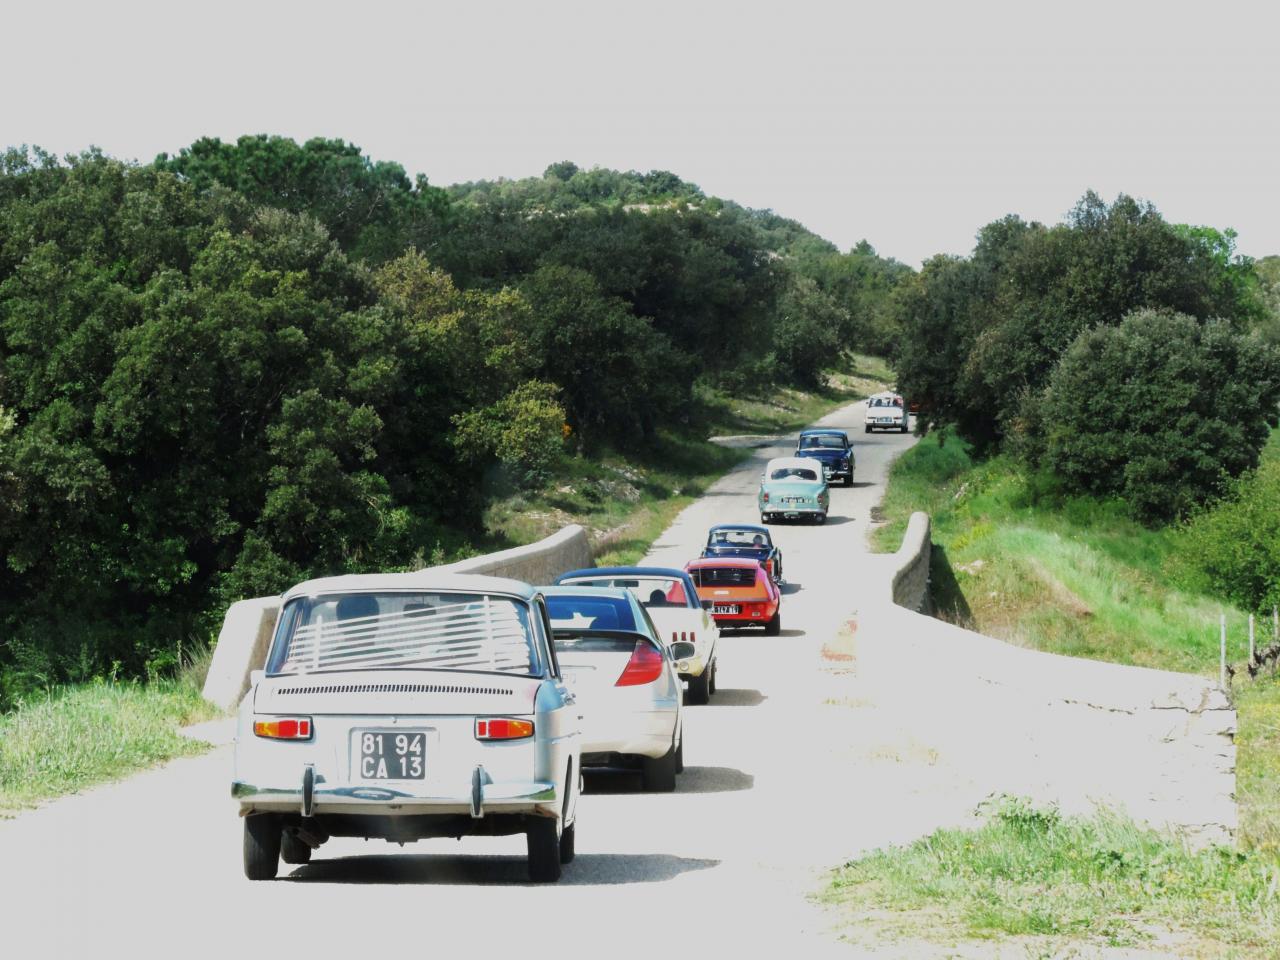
(724, 576)
(583, 613)
(387, 631)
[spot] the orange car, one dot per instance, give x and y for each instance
(740, 591)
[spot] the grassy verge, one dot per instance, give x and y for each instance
(1031, 874)
(626, 499)
(77, 736)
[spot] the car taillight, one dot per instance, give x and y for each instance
(503, 728)
(645, 666)
(766, 496)
(283, 728)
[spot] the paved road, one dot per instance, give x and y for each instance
(780, 783)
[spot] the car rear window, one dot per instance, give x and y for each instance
(724, 576)
(387, 631)
(824, 442)
(650, 590)
(585, 612)
(793, 473)
(739, 538)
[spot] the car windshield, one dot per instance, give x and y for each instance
(652, 591)
(584, 612)
(739, 538)
(822, 442)
(387, 631)
(793, 473)
(724, 576)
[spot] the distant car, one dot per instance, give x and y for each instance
(793, 488)
(403, 706)
(625, 680)
(886, 411)
(741, 592)
(745, 540)
(671, 600)
(832, 449)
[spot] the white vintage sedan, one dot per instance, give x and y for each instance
(625, 679)
(404, 706)
(671, 600)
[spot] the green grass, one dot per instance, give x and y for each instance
(625, 499)
(1258, 764)
(1029, 872)
(76, 736)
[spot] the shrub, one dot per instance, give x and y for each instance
(1235, 546)
(1161, 410)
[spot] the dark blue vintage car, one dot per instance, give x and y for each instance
(832, 448)
(746, 540)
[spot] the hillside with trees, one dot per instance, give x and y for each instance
(251, 362)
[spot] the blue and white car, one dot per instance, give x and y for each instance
(403, 706)
(625, 680)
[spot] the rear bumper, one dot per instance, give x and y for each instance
(535, 797)
(747, 619)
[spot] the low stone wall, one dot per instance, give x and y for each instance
(1080, 733)
(537, 563)
(249, 624)
(911, 565)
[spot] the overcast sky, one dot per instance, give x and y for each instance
(908, 124)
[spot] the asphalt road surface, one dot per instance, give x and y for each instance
(784, 778)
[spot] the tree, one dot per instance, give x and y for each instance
(1160, 409)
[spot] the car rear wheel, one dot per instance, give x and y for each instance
(867, 429)
(711, 684)
(543, 843)
(567, 841)
(659, 773)
(680, 754)
(821, 519)
(848, 481)
(699, 688)
(774, 626)
(904, 428)
(262, 837)
(293, 851)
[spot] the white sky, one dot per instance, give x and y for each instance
(909, 124)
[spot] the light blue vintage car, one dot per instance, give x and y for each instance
(793, 488)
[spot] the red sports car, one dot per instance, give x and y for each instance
(740, 591)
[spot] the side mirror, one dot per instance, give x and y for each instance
(682, 650)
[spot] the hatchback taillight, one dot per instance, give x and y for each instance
(283, 728)
(503, 728)
(645, 666)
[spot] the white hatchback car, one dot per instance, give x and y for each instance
(403, 706)
(671, 599)
(886, 411)
(625, 679)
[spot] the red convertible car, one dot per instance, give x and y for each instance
(740, 591)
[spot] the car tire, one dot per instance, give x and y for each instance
(774, 626)
(262, 836)
(848, 481)
(543, 845)
(904, 428)
(680, 754)
(867, 429)
(711, 684)
(822, 518)
(293, 851)
(699, 691)
(659, 773)
(568, 840)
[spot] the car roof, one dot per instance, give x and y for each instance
(754, 527)
(428, 580)
(701, 562)
(809, 463)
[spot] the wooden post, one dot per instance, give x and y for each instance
(1251, 638)
(1222, 651)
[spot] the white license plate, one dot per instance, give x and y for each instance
(391, 754)
(793, 499)
(726, 608)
